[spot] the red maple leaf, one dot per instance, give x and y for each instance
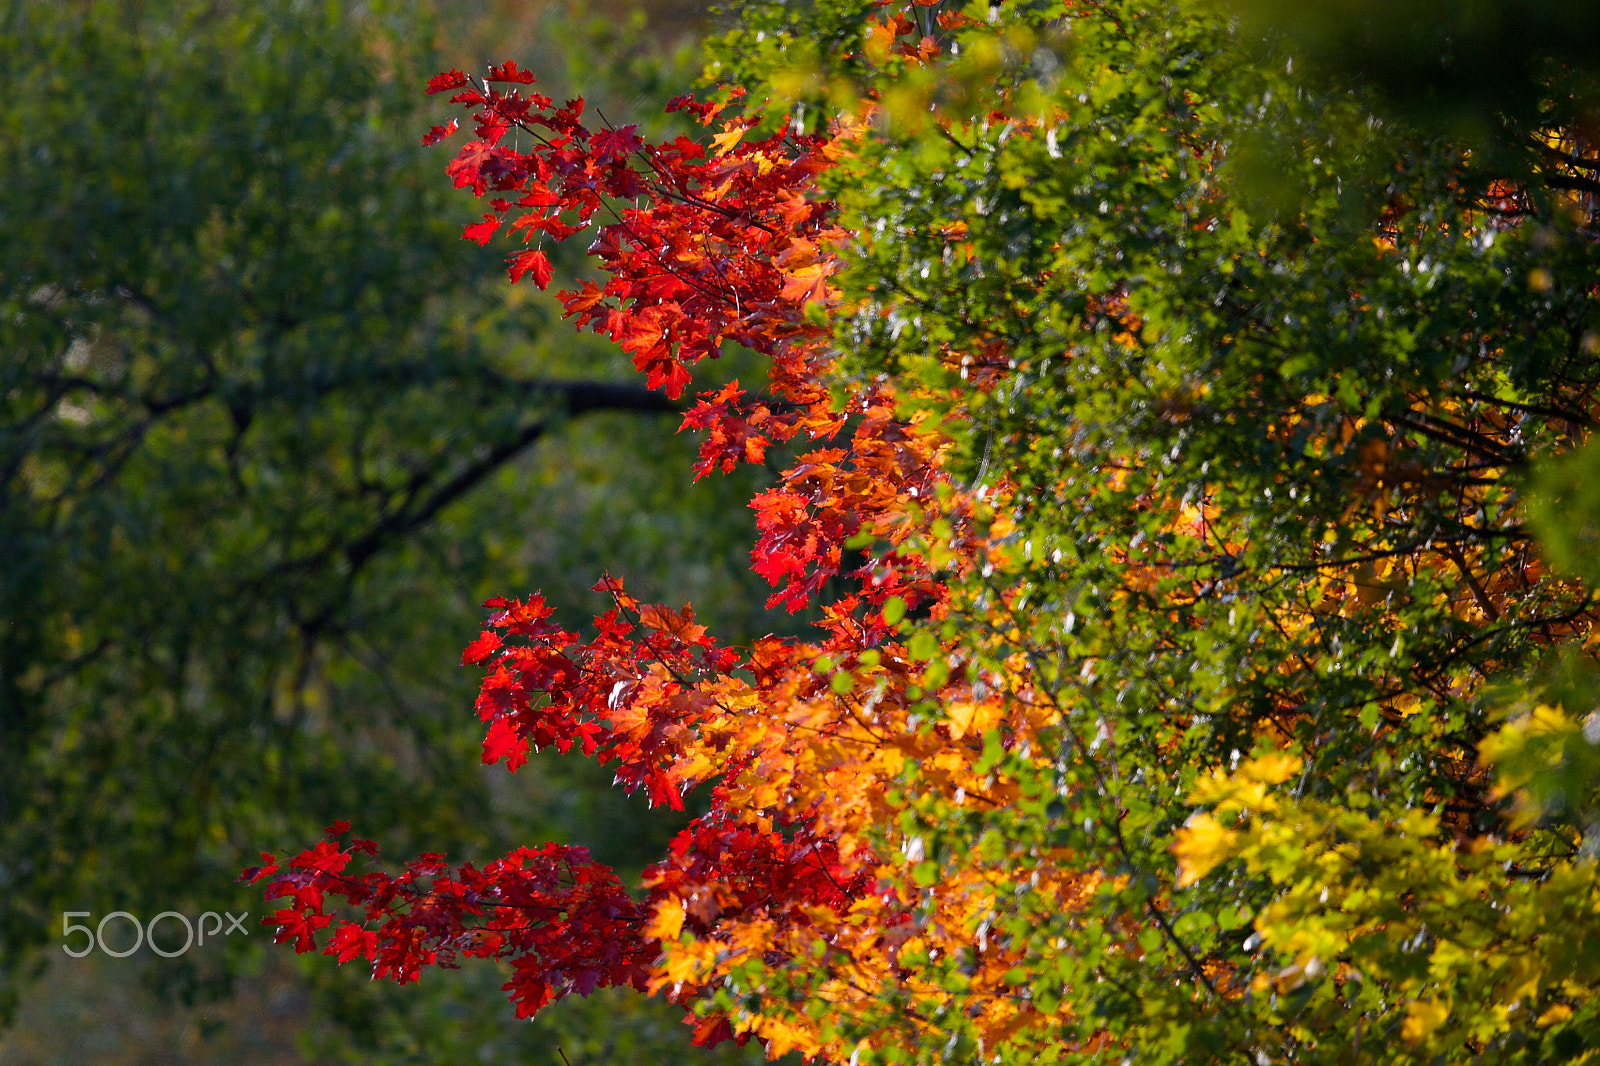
(610, 143)
(482, 232)
(443, 83)
(487, 644)
(534, 262)
(508, 72)
(436, 134)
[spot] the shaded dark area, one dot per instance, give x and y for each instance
(1476, 67)
(270, 432)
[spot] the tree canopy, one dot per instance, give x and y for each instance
(1174, 426)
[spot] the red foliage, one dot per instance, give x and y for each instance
(701, 245)
(565, 921)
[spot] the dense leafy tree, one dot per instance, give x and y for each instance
(1198, 690)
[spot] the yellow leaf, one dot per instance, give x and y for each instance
(1554, 1016)
(783, 1036)
(694, 767)
(1200, 847)
(959, 717)
(970, 716)
(878, 41)
(1521, 981)
(668, 920)
(1274, 768)
(1423, 1016)
(762, 795)
(726, 140)
(684, 962)
(1547, 719)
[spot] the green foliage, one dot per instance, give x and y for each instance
(267, 431)
(1255, 369)
(191, 287)
(1438, 952)
(1565, 509)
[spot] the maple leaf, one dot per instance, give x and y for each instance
(351, 942)
(724, 142)
(528, 990)
(681, 626)
(482, 232)
(610, 143)
(712, 1030)
(668, 920)
(292, 924)
(325, 857)
(492, 127)
(582, 302)
(479, 163)
(505, 741)
(252, 874)
(443, 83)
(436, 134)
(487, 644)
(534, 262)
(508, 72)
(808, 283)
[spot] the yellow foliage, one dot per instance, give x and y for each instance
(1201, 846)
(668, 920)
(1554, 1016)
(1423, 1016)
(1274, 768)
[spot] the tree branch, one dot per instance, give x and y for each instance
(575, 397)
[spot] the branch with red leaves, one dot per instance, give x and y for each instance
(618, 698)
(702, 246)
(564, 921)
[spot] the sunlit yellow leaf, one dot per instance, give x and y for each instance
(726, 140)
(1423, 1016)
(668, 920)
(1273, 768)
(1201, 846)
(1554, 1016)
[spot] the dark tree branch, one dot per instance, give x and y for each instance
(1581, 162)
(581, 397)
(1568, 414)
(578, 397)
(1572, 182)
(575, 398)
(398, 523)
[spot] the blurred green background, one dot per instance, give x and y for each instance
(269, 434)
